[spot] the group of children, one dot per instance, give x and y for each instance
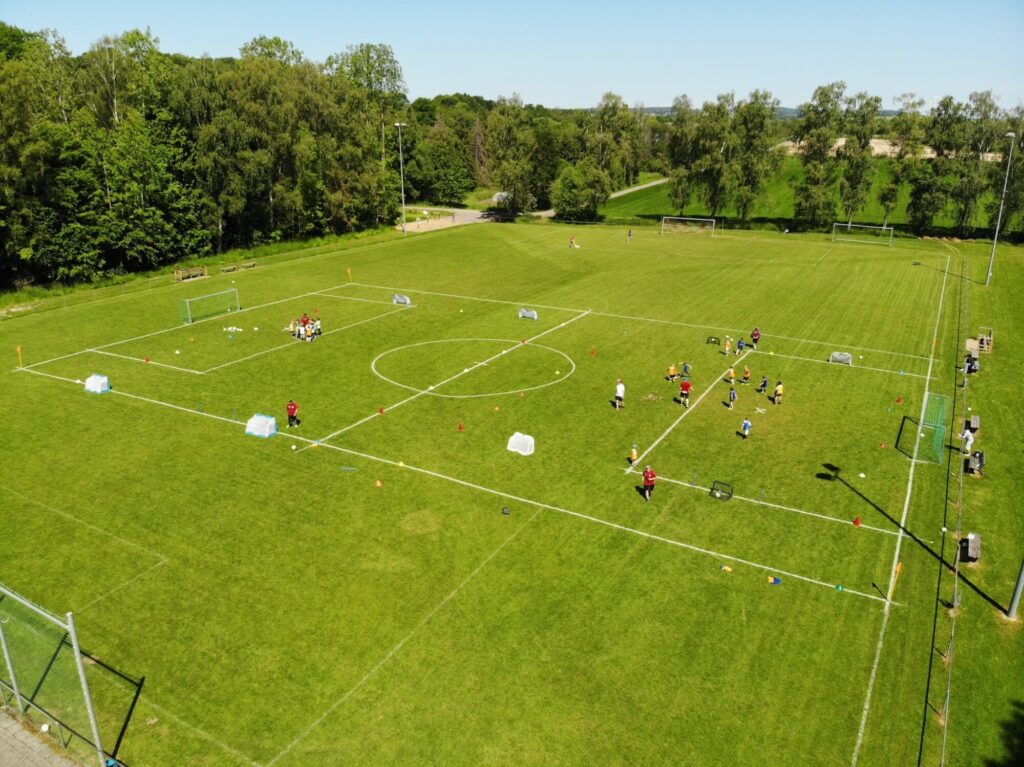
(306, 328)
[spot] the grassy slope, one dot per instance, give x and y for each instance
(538, 637)
(776, 202)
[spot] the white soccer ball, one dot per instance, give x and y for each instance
(293, 447)
(44, 728)
(177, 351)
(255, 329)
(558, 372)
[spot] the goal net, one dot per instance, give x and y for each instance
(932, 447)
(672, 224)
(873, 235)
(201, 307)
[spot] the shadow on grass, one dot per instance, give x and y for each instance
(833, 473)
(1013, 738)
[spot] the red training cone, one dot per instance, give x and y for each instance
(380, 410)
(899, 400)
(461, 427)
(856, 521)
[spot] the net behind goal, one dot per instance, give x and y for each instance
(933, 429)
(674, 224)
(873, 235)
(201, 307)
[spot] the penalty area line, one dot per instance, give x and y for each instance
(779, 506)
(604, 522)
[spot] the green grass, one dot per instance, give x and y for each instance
(365, 600)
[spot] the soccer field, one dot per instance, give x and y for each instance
(387, 584)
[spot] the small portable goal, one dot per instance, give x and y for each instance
(843, 358)
(403, 300)
(686, 225)
(528, 314)
(721, 490)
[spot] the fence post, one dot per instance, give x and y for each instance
(10, 668)
(85, 690)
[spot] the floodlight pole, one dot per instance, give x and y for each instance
(401, 170)
(1002, 201)
(1015, 602)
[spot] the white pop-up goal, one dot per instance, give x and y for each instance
(676, 224)
(872, 235)
(202, 307)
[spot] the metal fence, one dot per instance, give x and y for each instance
(47, 678)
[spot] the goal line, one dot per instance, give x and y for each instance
(673, 224)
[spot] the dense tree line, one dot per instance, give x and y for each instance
(125, 157)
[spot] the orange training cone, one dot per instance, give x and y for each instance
(461, 427)
(380, 410)
(856, 521)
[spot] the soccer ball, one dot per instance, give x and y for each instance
(177, 351)
(293, 447)
(255, 329)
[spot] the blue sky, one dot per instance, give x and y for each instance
(565, 54)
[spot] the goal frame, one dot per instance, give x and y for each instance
(847, 232)
(701, 224)
(231, 302)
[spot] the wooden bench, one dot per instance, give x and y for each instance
(189, 273)
(250, 265)
(231, 268)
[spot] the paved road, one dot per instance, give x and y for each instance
(21, 748)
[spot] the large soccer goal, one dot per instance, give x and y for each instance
(873, 235)
(201, 307)
(672, 224)
(932, 447)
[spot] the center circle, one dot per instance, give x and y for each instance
(493, 353)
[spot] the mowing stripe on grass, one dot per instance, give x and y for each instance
(686, 412)
(597, 520)
(448, 380)
(899, 538)
(632, 318)
(852, 367)
(294, 342)
(394, 650)
(779, 506)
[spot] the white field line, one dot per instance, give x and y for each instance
(857, 367)
(829, 250)
(394, 650)
(352, 298)
(632, 318)
(448, 380)
(686, 412)
(128, 582)
(600, 521)
(82, 522)
(181, 327)
(201, 733)
(509, 496)
(137, 359)
(294, 342)
(899, 538)
(56, 359)
(779, 506)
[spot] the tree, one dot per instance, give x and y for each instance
(715, 170)
(510, 148)
(757, 156)
(816, 134)
(446, 174)
(860, 119)
(579, 191)
(375, 68)
(928, 196)
(680, 187)
(1014, 204)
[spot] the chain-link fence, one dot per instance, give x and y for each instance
(47, 678)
